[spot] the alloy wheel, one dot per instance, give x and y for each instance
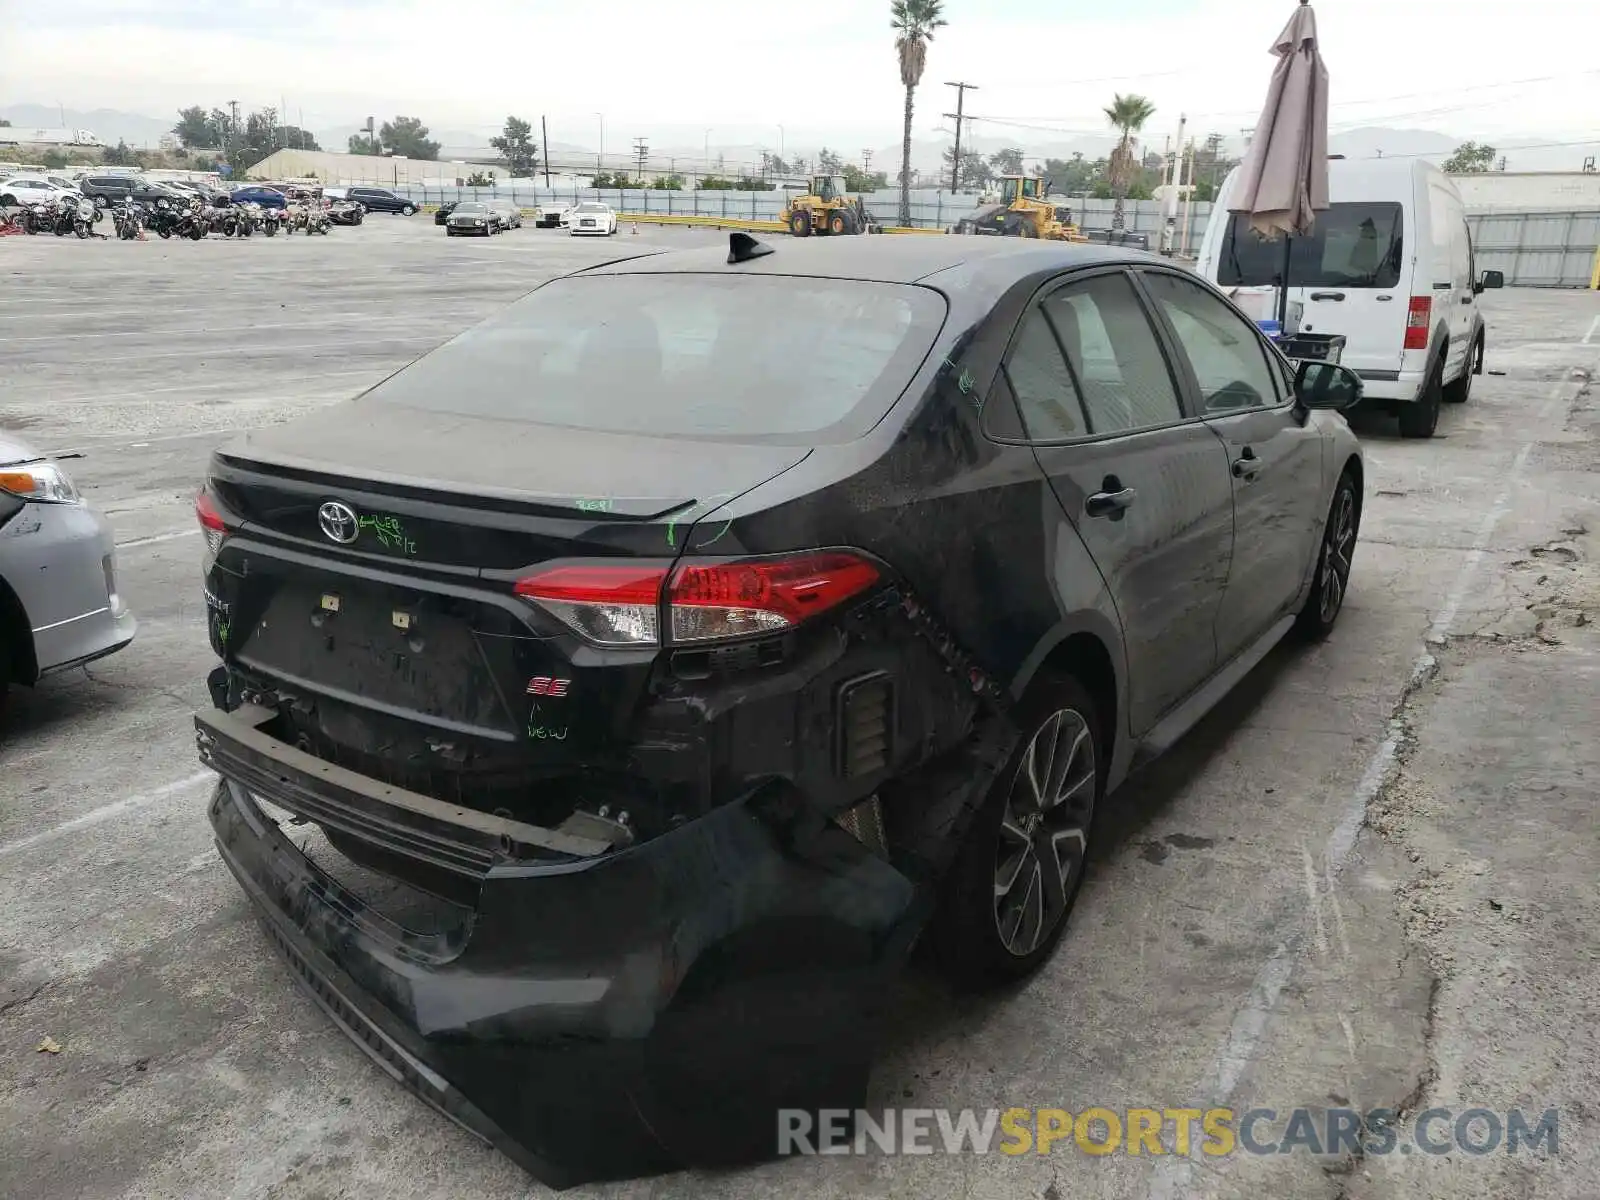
(1337, 547)
(1044, 831)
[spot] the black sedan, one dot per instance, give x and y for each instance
(470, 218)
(442, 213)
(688, 639)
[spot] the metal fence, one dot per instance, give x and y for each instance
(1542, 248)
(1535, 248)
(929, 209)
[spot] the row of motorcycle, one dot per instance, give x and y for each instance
(73, 216)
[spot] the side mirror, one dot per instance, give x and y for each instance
(1326, 385)
(1491, 279)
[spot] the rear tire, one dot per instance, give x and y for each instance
(1421, 417)
(1461, 389)
(1010, 892)
(1331, 583)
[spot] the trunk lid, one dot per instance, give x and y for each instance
(391, 632)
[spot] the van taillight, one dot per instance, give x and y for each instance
(1417, 322)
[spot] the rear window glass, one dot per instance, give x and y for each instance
(1351, 245)
(739, 358)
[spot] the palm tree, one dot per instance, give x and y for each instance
(1128, 115)
(913, 24)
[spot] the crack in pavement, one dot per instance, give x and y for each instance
(19, 1001)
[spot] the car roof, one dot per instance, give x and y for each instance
(906, 258)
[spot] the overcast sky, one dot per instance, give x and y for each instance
(743, 67)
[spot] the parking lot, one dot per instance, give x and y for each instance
(1367, 879)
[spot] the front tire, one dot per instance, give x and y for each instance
(410, 210)
(800, 223)
(1016, 877)
(1420, 418)
(1331, 582)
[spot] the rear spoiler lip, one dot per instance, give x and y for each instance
(376, 488)
(233, 744)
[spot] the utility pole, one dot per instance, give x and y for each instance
(1172, 172)
(544, 132)
(961, 97)
(641, 150)
(233, 136)
(866, 162)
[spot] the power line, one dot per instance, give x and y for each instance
(1030, 121)
(1509, 149)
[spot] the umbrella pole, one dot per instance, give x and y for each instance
(1283, 286)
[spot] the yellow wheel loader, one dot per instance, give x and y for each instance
(1023, 211)
(827, 209)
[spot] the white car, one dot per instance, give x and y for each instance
(21, 190)
(592, 217)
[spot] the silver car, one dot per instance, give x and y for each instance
(59, 605)
(510, 215)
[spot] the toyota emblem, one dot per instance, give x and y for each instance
(338, 521)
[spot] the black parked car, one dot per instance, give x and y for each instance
(682, 638)
(471, 218)
(442, 214)
(109, 190)
(380, 200)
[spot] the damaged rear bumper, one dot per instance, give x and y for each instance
(593, 1013)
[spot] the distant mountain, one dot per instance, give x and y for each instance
(927, 152)
(108, 124)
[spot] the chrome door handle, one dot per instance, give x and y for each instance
(1247, 465)
(1106, 504)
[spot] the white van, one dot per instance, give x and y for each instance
(1390, 266)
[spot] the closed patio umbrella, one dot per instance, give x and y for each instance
(1285, 180)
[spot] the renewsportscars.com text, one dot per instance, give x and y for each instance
(1160, 1131)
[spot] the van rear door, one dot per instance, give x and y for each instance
(1348, 273)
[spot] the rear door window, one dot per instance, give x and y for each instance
(1046, 396)
(750, 358)
(1116, 361)
(1350, 246)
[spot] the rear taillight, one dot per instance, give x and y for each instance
(603, 603)
(1417, 322)
(705, 600)
(211, 522)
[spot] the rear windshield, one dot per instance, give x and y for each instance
(746, 358)
(1351, 245)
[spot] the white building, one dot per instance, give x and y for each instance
(1523, 190)
(388, 170)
